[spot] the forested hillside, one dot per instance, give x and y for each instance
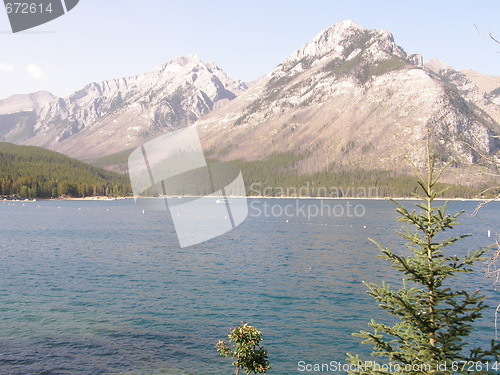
(278, 176)
(33, 172)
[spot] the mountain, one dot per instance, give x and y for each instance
(479, 90)
(32, 172)
(487, 84)
(18, 115)
(119, 114)
(352, 98)
(24, 103)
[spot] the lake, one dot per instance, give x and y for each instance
(99, 287)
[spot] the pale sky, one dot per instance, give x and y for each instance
(104, 39)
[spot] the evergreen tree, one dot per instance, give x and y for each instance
(433, 320)
(246, 351)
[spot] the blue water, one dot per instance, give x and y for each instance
(101, 288)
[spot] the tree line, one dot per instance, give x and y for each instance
(278, 174)
(33, 172)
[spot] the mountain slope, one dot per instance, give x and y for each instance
(25, 103)
(29, 171)
(473, 87)
(487, 84)
(120, 114)
(18, 115)
(352, 98)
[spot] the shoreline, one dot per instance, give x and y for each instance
(368, 198)
(267, 197)
(105, 199)
(96, 198)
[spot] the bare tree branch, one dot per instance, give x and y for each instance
(493, 265)
(489, 35)
(487, 158)
(484, 203)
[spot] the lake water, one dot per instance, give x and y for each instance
(101, 288)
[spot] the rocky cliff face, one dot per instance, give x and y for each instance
(18, 115)
(114, 115)
(481, 91)
(353, 98)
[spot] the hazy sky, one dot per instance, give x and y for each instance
(103, 39)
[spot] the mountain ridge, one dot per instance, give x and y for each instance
(349, 98)
(364, 103)
(125, 111)
(25, 102)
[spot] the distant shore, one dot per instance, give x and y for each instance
(95, 198)
(104, 198)
(268, 197)
(369, 198)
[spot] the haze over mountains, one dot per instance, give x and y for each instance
(350, 98)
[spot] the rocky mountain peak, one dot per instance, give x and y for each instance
(25, 102)
(329, 40)
(437, 66)
(347, 49)
(191, 70)
(346, 39)
(179, 62)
